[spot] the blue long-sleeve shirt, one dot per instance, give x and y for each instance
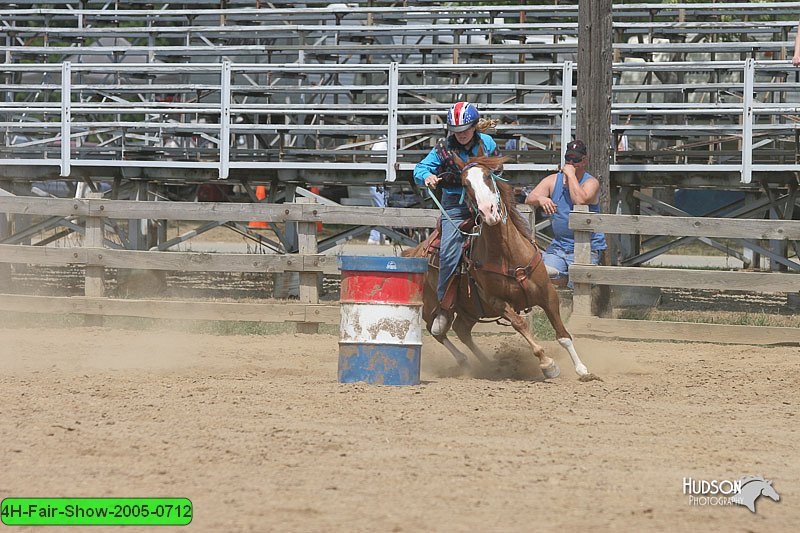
(431, 163)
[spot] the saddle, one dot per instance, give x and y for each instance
(467, 284)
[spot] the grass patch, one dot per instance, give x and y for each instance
(715, 317)
(695, 247)
(540, 326)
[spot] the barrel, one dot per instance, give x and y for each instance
(380, 337)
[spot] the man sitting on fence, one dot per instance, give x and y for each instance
(555, 195)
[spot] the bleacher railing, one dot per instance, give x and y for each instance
(714, 116)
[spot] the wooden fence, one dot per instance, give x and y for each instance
(583, 274)
(308, 312)
(96, 258)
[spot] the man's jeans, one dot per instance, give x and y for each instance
(559, 259)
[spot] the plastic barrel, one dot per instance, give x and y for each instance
(380, 337)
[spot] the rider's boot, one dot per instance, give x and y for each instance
(441, 322)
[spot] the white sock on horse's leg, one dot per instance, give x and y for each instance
(580, 368)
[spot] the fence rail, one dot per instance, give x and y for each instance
(96, 258)
(583, 274)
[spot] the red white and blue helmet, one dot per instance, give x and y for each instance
(462, 116)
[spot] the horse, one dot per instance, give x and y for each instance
(751, 488)
(505, 273)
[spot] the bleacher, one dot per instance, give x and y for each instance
(246, 89)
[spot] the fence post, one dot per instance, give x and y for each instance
(94, 281)
(309, 281)
(582, 292)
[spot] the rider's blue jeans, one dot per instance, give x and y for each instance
(452, 239)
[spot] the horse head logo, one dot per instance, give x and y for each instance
(751, 488)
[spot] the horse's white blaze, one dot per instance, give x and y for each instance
(487, 201)
(580, 368)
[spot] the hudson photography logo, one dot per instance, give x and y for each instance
(744, 491)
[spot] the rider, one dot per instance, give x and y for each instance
(439, 169)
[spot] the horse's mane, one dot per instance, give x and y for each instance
(506, 192)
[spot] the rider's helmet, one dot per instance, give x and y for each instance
(462, 116)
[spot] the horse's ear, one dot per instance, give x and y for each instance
(459, 162)
(497, 162)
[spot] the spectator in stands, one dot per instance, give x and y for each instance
(438, 169)
(555, 195)
(796, 57)
(511, 143)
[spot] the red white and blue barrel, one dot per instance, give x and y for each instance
(381, 325)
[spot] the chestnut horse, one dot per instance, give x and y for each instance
(506, 274)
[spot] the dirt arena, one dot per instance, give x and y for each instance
(256, 431)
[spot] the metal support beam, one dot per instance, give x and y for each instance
(747, 121)
(66, 116)
(225, 120)
(391, 135)
(566, 106)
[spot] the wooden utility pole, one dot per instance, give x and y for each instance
(594, 102)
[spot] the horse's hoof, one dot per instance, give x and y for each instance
(551, 371)
(589, 377)
(581, 370)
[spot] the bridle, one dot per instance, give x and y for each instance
(473, 206)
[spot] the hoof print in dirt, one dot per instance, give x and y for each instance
(590, 377)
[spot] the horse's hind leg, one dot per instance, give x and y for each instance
(546, 364)
(460, 357)
(553, 313)
(463, 328)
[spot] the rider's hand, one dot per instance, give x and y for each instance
(432, 181)
(548, 206)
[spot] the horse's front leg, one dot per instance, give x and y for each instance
(551, 309)
(546, 364)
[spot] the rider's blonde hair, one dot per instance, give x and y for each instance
(487, 125)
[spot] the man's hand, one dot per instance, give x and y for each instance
(548, 206)
(796, 60)
(432, 181)
(569, 170)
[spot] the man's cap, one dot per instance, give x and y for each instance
(575, 148)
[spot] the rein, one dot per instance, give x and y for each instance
(479, 225)
(445, 215)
